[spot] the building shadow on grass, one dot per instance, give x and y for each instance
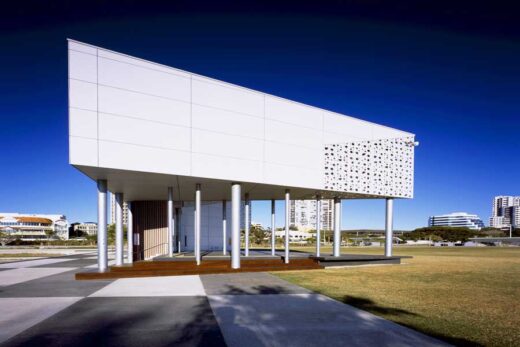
(455, 341)
(370, 306)
(257, 290)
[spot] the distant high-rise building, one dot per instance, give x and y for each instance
(303, 214)
(457, 219)
(505, 212)
(113, 210)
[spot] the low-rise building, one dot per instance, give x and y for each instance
(456, 219)
(295, 235)
(35, 227)
(84, 229)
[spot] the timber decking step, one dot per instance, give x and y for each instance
(180, 272)
(166, 268)
(209, 265)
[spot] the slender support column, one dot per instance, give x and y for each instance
(273, 228)
(247, 209)
(171, 221)
(197, 223)
(287, 212)
(318, 224)
(389, 226)
(119, 229)
(337, 227)
(102, 226)
(130, 234)
(178, 214)
(235, 225)
(224, 227)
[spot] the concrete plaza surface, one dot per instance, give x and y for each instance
(42, 305)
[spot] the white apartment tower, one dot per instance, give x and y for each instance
(505, 212)
(113, 210)
(303, 214)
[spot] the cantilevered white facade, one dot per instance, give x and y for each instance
(129, 114)
(150, 133)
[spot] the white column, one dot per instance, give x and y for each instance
(178, 214)
(389, 226)
(119, 229)
(273, 228)
(235, 225)
(197, 223)
(170, 221)
(247, 223)
(318, 224)
(287, 212)
(130, 234)
(224, 226)
(102, 226)
(337, 227)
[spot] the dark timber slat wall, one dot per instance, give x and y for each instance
(150, 223)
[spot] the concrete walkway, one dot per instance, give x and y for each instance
(42, 304)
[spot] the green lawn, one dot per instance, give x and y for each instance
(29, 255)
(465, 296)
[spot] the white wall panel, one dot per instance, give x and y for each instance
(204, 165)
(142, 63)
(140, 79)
(339, 124)
(208, 142)
(338, 138)
(292, 155)
(211, 231)
(227, 122)
(293, 134)
(83, 66)
(83, 95)
(83, 123)
(77, 46)
(220, 95)
(292, 176)
(381, 132)
(83, 151)
(294, 113)
(126, 103)
(146, 159)
(141, 132)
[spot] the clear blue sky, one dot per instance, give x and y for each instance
(456, 86)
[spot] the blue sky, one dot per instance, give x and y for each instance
(457, 90)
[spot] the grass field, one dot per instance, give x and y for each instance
(28, 255)
(465, 296)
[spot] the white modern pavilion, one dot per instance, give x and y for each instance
(177, 147)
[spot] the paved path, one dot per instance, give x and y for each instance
(41, 304)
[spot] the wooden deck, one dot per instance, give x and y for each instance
(211, 266)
